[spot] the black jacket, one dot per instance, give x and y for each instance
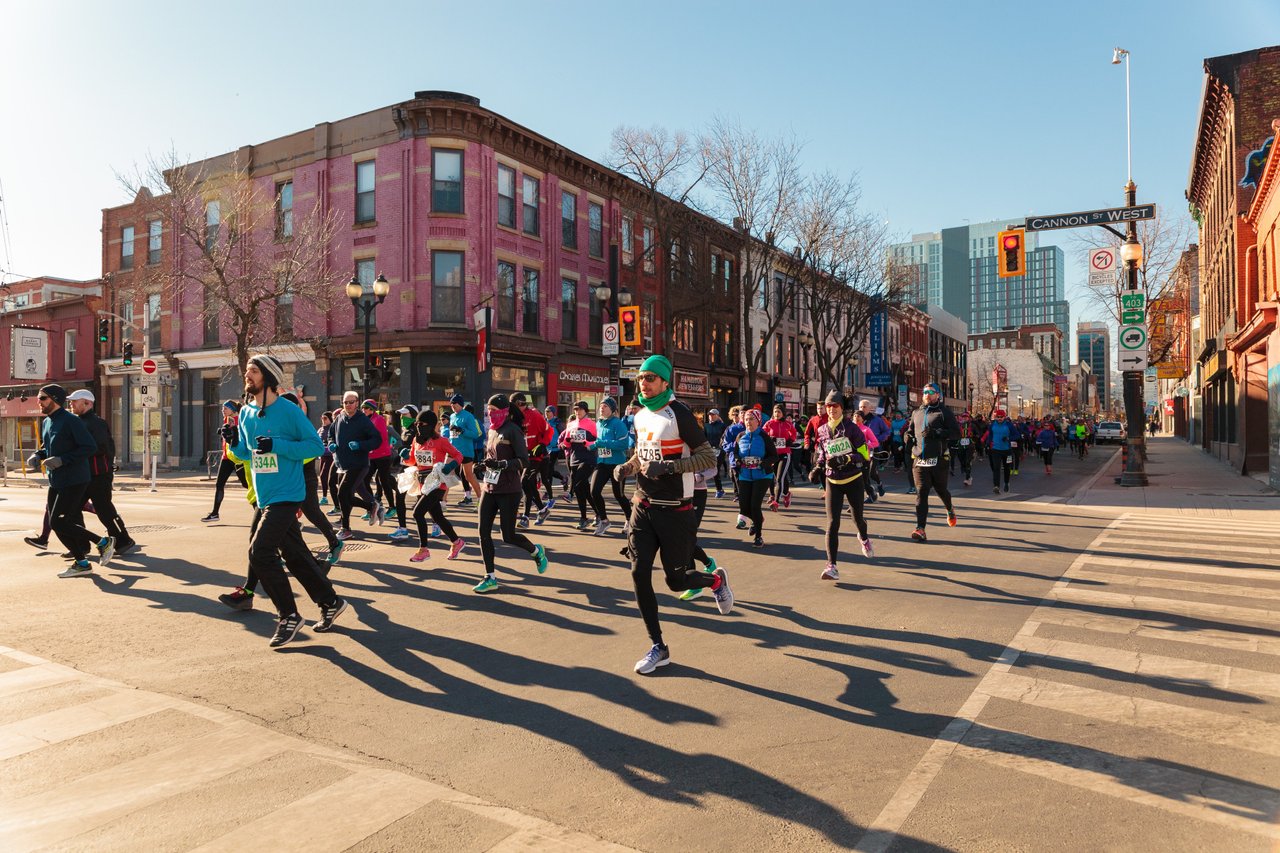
(101, 462)
(930, 432)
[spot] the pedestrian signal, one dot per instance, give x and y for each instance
(1011, 259)
(629, 325)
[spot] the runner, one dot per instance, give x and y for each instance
(506, 450)
(756, 459)
(962, 448)
(326, 459)
(840, 458)
(998, 439)
(101, 469)
(577, 440)
(230, 416)
(1047, 441)
(670, 446)
(464, 432)
(380, 468)
(611, 447)
(727, 444)
(427, 451)
(354, 435)
(65, 449)
(276, 436)
(895, 434)
(781, 432)
(883, 432)
(311, 505)
(554, 454)
(714, 430)
(932, 429)
(873, 445)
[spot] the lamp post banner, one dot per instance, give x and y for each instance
(484, 353)
(876, 342)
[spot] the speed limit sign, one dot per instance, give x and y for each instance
(610, 338)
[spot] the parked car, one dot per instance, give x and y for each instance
(1109, 431)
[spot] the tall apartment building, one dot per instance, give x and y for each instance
(1093, 346)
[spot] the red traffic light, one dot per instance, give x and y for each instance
(1011, 241)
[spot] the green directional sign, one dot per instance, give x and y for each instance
(1136, 301)
(1133, 318)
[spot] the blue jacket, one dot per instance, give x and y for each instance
(357, 428)
(1047, 438)
(464, 432)
(899, 424)
(880, 429)
(756, 446)
(65, 436)
(1001, 433)
(612, 442)
(729, 442)
(293, 440)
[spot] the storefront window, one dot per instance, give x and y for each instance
(531, 381)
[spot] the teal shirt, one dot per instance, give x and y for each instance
(293, 441)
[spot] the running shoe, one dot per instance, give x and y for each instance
(213, 516)
(368, 516)
(742, 522)
(36, 542)
(540, 557)
(380, 513)
(420, 555)
(392, 513)
(286, 629)
(995, 489)
(334, 512)
(522, 522)
(911, 491)
(106, 550)
(724, 595)
(968, 481)
(335, 553)
(585, 525)
(951, 519)
(344, 534)
(329, 613)
(773, 505)
(76, 569)
(467, 500)
(918, 534)
(324, 502)
(1006, 488)
(719, 494)
(626, 528)
(399, 534)
(489, 584)
(786, 501)
(543, 513)
(456, 548)
(871, 498)
(602, 527)
(831, 573)
(880, 488)
(758, 542)
(1015, 471)
(238, 599)
(691, 594)
(124, 546)
(550, 503)
(657, 656)
(866, 548)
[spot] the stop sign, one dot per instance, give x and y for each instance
(149, 366)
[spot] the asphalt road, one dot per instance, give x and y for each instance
(813, 712)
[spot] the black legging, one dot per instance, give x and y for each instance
(326, 472)
(432, 502)
(504, 507)
(1046, 453)
(699, 509)
(548, 469)
(225, 469)
(66, 518)
(669, 533)
(580, 483)
(1000, 466)
(781, 484)
(604, 474)
(349, 483)
(381, 469)
(835, 495)
(311, 504)
(926, 479)
(750, 499)
(530, 482)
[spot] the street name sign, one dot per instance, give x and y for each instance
(1085, 218)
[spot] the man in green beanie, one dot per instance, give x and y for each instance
(670, 447)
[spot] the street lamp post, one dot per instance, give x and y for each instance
(365, 303)
(1135, 472)
(972, 388)
(806, 345)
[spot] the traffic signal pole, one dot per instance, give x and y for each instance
(1135, 468)
(148, 463)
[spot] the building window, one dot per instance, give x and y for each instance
(646, 325)
(365, 275)
(284, 210)
(284, 313)
(628, 242)
(529, 302)
(506, 294)
(446, 181)
(69, 351)
(506, 196)
(568, 220)
(153, 321)
(446, 287)
(212, 221)
(530, 219)
(595, 318)
(211, 312)
(126, 247)
(155, 232)
(595, 229)
(686, 334)
(366, 176)
(568, 309)
(647, 237)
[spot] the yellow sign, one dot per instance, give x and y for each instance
(1173, 371)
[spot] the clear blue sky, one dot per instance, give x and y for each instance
(947, 111)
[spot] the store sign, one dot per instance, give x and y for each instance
(691, 385)
(581, 376)
(29, 350)
(876, 343)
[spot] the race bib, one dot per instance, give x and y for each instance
(424, 458)
(1009, 459)
(1013, 444)
(579, 435)
(751, 462)
(964, 442)
(265, 463)
(839, 446)
(604, 453)
(491, 476)
(780, 443)
(649, 451)
(927, 463)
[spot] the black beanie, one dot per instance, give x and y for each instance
(55, 392)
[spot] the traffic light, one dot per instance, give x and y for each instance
(629, 325)
(104, 330)
(1011, 257)
(127, 353)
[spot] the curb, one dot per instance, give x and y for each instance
(1074, 500)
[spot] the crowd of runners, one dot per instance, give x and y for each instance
(504, 460)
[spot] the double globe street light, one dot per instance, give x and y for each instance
(364, 303)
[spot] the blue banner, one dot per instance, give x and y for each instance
(876, 342)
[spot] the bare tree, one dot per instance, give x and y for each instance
(756, 182)
(239, 260)
(845, 270)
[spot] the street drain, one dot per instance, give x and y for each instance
(154, 528)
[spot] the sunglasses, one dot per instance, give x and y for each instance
(647, 377)
(43, 397)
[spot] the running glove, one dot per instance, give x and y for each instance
(265, 443)
(53, 463)
(815, 475)
(404, 454)
(353, 445)
(34, 460)
(618, 474)
(333, 447)
(228, 432)
(655, 469)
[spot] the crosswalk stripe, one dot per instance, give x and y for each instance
(1207, 798)
(1219, 531)
(1185, 563)
(1206, 587)
(1193, 673)
(1156, 628)
(32, 678)
(1191, 723)
(1177, 607)
(53, 817)
(1193, 521)
(1165, 544)
(63, 724)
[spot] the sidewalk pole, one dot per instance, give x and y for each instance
(155, 464)
(1134, 473)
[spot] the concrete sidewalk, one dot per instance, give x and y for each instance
(1183, 480)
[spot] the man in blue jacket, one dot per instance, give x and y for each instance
(611, 446)
(464, 432)
(65, 448)
(354, 436)
(275, 436)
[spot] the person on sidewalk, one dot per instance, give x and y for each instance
(101, 469)
(228, 466)
(928, 436)
(275, 436)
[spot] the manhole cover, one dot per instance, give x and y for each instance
(347, 546)
(153, 528)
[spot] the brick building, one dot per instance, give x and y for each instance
(1256, 346)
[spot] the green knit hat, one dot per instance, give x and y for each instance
(658, 365)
